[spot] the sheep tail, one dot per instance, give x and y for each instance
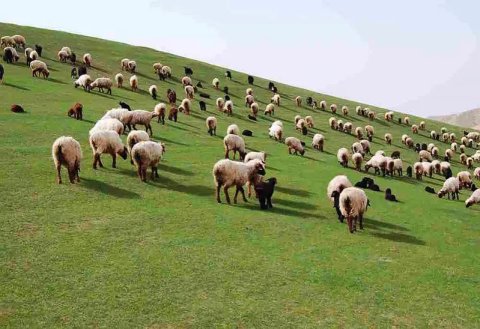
(58, 154)
(137, 157)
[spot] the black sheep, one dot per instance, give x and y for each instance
(424, 146)
(250, 80)
(473, 187)
(304, 131)
(366, 182)
(375, 187)
(161, 76)
(154, 93)
(203, 106)
(448, 173)
(227, 98)
(409, 171)
(15, 108)
(228, 75)
(199, 85)
(399, 121)
(2, 71)
(446, 158)
(8, 56)
(309, 101)
(275, 89)
(429, 189)
(29, 60)
(204, 95)
(252, 117)
(225, 90)
(39, 50)
(124, 105)
(73, 73)
(73, 58)
(247, 133)
(82, 69)
(303, 143)
(264, 191)
(465, 133)
(336, 204)
(395, 155)
(188, 71)
(389, 196)
(271, 85)
(370, 138)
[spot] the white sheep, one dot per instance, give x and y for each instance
(270, 109)
(142, 117)
(62, 56)
(254, 109)
(294, 144)
(134, 137)
(216, 83)
(276, 131)
(298, 101)
(377, 162)
(249, 100)
(398, 166)
(338, 184)
(357, 159)
(333, 108)
(342, 157)
(444, 167)
(300, 125)
(369, 130)
(359, 132)
(427, 169)
(366, 145)
(450, 187)
(415, 129)
(249, 91)
(87, 59)
(347, 127)
(425, 155)
(437, 166)
(7, 41)
(418, 169)
(476, 173)
(107, 142)
(33, 55)
(228, 108)
(276, 99)
(353, 204)
(465, 179)
(435, 151)
(132, 66)
(236, 144)
(345, 110)
(167, 71)
(124, 64)
(67, 50)
(473, 199)
(123, 115)
(101, 84)
(228, 173)
(332, 122)
(157, 67)
(309, 121)
(67, 152)
(19, 40)
(433, 134)
(38, 67)
(185, 106)
(255, 155)
(186, 81)
(190, 92)
(211, 123)
(422, 125)
(134, 82)
(357, 147)
(406, 121)
(153, 90)
(220, 103)
(318, 141)
(449, 154)
(388, 116)
(160, 109)
(233, 129)
(323, 105)
(119, 80)
(108, 124)
(147, 154)
(388, 138)
(454, 147)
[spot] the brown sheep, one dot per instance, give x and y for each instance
(76, 111)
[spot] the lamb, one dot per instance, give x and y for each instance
(347, 127)
(465, 179)
(106, 124)
(333, 123)
(152, 90)
(357, 160)
(234, 143)
(147, 154)
(87, 59)
(353, 203)
(404, 138)
(276, 131)
(67, 152)
(337, 184)
(233, 129)
(186, 81)
(211, 123)
(141, 117)
(389, 196)
(333, 108)
(76, 111)
(276, 99)
(418, 168)
(342, 156)
(298, 101)
(102, 83)
(228, 173)
(453, 137)
(38, 66)
(269, 109)
(134, 82)
(427, 169)
(160, 110)
(294, 144)
(264, 191)
(190, 92)
(425, 155)
(445, 137)
(450, 187)
(462, 148)
(388, 138)
(318, 141)
(359, 132)
(379, 163)
(216, 83)
(473, 199)
(134, 137)
(309, 121)
(107, 142)
(358, 110)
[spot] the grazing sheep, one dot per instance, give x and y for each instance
(345, 110)
(160, 109)
(2, 72)
(67, 152)
(147, 154)
(414, 129)
(422, 125)
(141, 117)
(476, 173)
(454, 147)
(108, 124)
(63, 56)
(157, 67)
(406, 120)
(254, 109)
(300, 125)
(298, 101)
(276, 130)
(220, 103)
(309, 121)
(333, 123)
(333, 108)
(247, 133)
(465, 179)
(445, 168)
(462, 148)
(342, 157)
(450, 187)
(337, 185)
(453, 137)
(357, 147)
(264, 191)
(371, 115)
(172, 96)
(388, 116)
(249, 91)
(255, 155)
(294, 144)
(76, 111)
(134, 82)
(437, 167)
(188, 71)
(377, 162)
(418, 168)
(353, 203)
(233, 129)
(449, 154)
(445, 137)
(433, 134)
(37, 67)
(366, 145)
(357, 160)
(276, 99)
(101, 84)
(82, 69)
(124, 64)
(216, 83)
(318, 141)
(463, 158)
(469, 163)
(124, 115)
(33, 56)
(425, 155)
(270, 109)
(435, 151)
(173, 113)
(409, 142)
(134, 137)
(388, 138)
(389, 196)
(228, 75)
(234, 143)
(7, 41)
(404, 138)
(228, 173)
(359, 132)
(398, 167)
(186, 81)
(152, 90)
(132, 66)
(250, 80)
(473, 199)
(87, 59)
(211, 123)
(124, 105)
(427, 169)
(340, 125)
(107, 142)
(190, 92)
(323, 105)
(228, 108)
(443, 130)
(347, 127)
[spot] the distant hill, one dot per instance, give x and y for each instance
(468, 119)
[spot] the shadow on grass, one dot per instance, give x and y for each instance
(102, 187)
(56, 81)
(379, 225)
(291, 212)
(170, 141)
(399, 237)
(292, 191)
(175, 170)
(15, 86)
(170, 184)
(294, 204)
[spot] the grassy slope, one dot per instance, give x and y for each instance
(114, 252)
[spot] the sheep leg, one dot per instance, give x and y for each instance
(448, 195)
(217, 192)
(243, 194)
(249, 187)
(225, 190)
(235, 196)
(59, 178)
(156, 172)
(360, 219)
(350, 224)
(139, 173)
(226, 153)
(269, 201)
(147, 128)
(114, 160)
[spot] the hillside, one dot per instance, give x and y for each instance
(115, 252)
(469, 119)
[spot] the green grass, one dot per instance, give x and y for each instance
(115, 252)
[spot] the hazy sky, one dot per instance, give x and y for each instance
(416, 56)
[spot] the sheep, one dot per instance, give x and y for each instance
(157, 67)
(404, 138)
(422, 125)
(216, 83)
(425, 155)
(15, 108)
(347, 127)
(220, 103)
(124, 64)
(333, 108)
(463, 158)
(270, 109)
(380, 152)
(453, 137)
(67, 152)
(435, 151)
(437, 166)
(106, 124)
(337, 184)
(300, 125)
(345, 110)
(353, 203)
(462, 148)
(323, 105)
(38, 66)
(450, 187)
(358, 110)
(430, 147)
(33, 55)
(173, 113)
(298, 101)
(359, 132)
(309, 121)
(406, 120)
(389, 196)
(378, 162)
(332, 122)
(7, 41)
(147, 154)
(235, 143)
(186, 81)
(76, 111)
(190, 92)
(152, 90)
(469, 163)
(134, 82)
(366, 145)
(228, 108)
(340, 125)
(473, 199)
(395, 155)
(254, 109)
(357, 147)
(433, 134)
(414, 129)
(249, 91)
(294, 144)
(476, 173)
(342, 157)
(2, 72)
(233, 129)
(357, 160)
(63, 56)
(371, 115)
(454, 147)
(369, 130)
(398, 166)
(318, 141)
(124, 115)
(418, 168)
(465, 179)
(409, 142)
(445, 137)
(160, 110)
(134, 137)
(445, 168)
(131, 66)
(185, 106)
(250, 80)
(427, 169)
(443, 130)
(87, 59)
(264, 191)
(227, 173)
(171, 96)
(449, 154)
(276, 131)
(141, 117)
(255, 155)
(107, 142)
(211, 123)
(388, 138)
(276, 99)
(388, 116)
(102, 83)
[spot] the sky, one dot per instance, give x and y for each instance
(419, 57)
